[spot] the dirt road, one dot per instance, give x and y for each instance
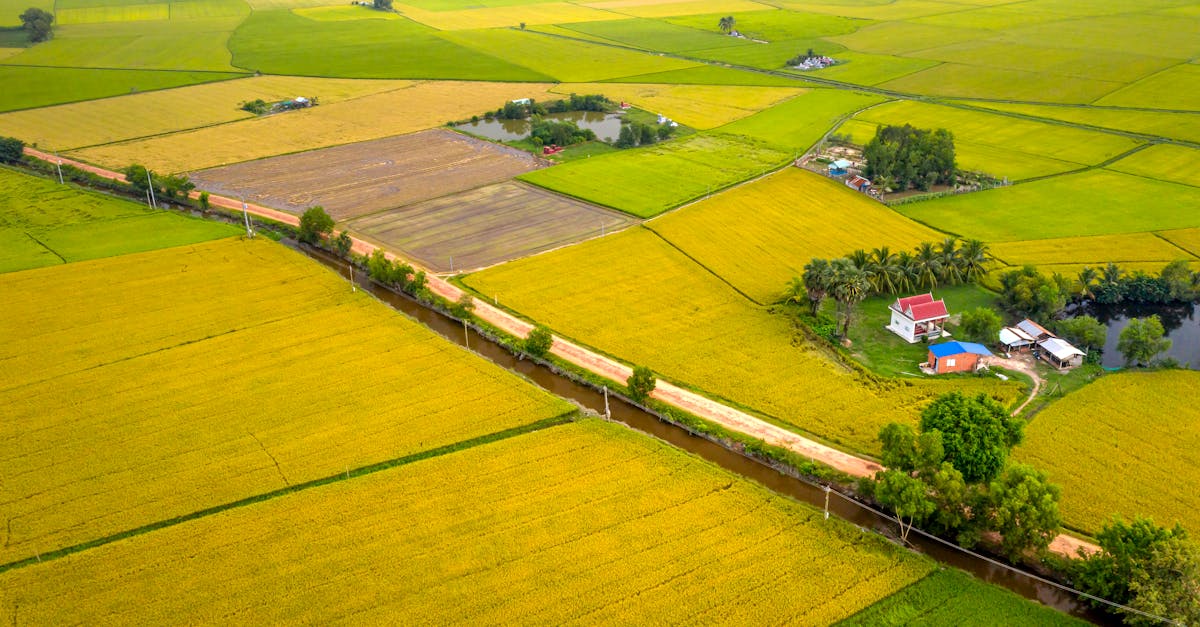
(666, 392)
(1023, 364)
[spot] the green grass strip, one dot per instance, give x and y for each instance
(299, 487)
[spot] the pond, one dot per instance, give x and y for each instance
(1181, 321)
(606, 126)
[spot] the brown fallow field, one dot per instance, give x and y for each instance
(367, 177)
(488, 225)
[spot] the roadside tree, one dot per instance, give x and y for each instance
(538, 342)
(977, 433)
(314, 224)
(11, 149)
(641, 383)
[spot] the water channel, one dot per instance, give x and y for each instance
(1180, 320)
(642, 421)
(606, 126)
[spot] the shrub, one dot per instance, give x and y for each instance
(539, 341)
(641, 383)
(11, 149)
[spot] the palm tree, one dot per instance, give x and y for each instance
(907, 275)
(795, 291)
(818, 278)
(726, 24)
(975, 257)
(1111, 274)
(929, 265)
(887, 273)
(1086, 277)
(851, 285)
(951, 264)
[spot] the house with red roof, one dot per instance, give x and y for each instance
(918, 317)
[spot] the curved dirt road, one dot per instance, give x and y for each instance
(686, 400)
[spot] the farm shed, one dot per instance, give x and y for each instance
(916, 317)
(839, 167)
(1034, 330)
(955, 357)
(1060, 353)
(858, 183)
(1016, 340)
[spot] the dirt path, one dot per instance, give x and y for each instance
(686, 400)
(1023, 364)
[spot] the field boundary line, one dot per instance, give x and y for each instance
(1099, 166)
(43, 245)
(701, 264)
(1181, 249)
(351, 473)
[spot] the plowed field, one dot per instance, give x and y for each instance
(357, 179)
(488, 225)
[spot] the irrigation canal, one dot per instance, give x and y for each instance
(640, 420)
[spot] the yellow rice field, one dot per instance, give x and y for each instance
(1187, 239)
(587, 523)
(120, 13)
(209, 373)
(1096, 249)
(698, 106)
(635, 296)
(760, 235)
(671, 8)
(1165, 162)
(420, 106)
(1127, 444)
(108, 120)
(503, 16)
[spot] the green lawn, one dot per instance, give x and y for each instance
(1098, 202)
(885, 352)
(284, 43)
(952, 598)
(43, 223)
(647, 181)
(29, 87)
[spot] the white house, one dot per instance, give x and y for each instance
(918, 317)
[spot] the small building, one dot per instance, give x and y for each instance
(917, 317)
(1060, 353)
(1034, 330)
(522, 101)
(1016, 340)
(955, 357)
(858, 183)
(839, 167)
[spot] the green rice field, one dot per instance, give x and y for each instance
(797, 124)
(29, 87)
(1185, 126)
(1164, 162)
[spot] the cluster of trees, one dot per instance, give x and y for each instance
(11, 150)
(1111, 284)
(952, 478)
(641, 134)
(522, 110)
(257, 107)
(544, 132)
(900, 157)
(851, 279)
(165, 186)
(395, 273)
(1149, 568)
(38, 23)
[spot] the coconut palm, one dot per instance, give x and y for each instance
(929, 265)
(1111, 274)
(1086, 278)
(726, 24)
(951, 263)
(974, 258)
(907, 275)
(817, 281)
(887, 273)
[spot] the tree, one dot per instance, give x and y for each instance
(538, 342)
(1142, 340)
(1176, 277)
(911, 156)
(626, 138)
(1086, 280)
(907, 497)
(981, 324)
(904, 450)
(818, 280)
(976, 432)
(950, 261)
(929, 265)
(1124, 548)
(1168, 584)
(204, 202)
(1029, 293)
(975, 257)
(313, 224)
(11, 149)
(1086, 332)
(38, 23)
(1023, 508)
(851, 285)
(726, 24)
(342, 244)
(641, 383)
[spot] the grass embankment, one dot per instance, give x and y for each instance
(207, 374)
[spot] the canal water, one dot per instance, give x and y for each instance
(606, 126)
(1181, 321)
(640, 420)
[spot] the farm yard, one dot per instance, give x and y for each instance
(486, 226)
(363, 178)
(225, 422)
(205, 374)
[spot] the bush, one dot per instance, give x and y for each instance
(539, 341)
(11, 149)
(257, 107)
(980, 325)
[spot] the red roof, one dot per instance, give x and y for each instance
(904, 304)
(929, 311)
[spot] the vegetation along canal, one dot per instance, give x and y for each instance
(647, 423)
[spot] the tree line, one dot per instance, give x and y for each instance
(575, 102)
(850, 280)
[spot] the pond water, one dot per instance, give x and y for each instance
(606, 126)
(1181, 322)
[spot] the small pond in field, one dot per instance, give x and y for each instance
(606, 126)
(1181, 322)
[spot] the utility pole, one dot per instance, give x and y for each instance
(466, 336)
(826, 502)
(150, 182)
(353, 287)
(452, 263)
(58, 164)
(246, 217)
(607, 413)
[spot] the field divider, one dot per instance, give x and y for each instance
(44, 245)
(349, 474)
(701, 264)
